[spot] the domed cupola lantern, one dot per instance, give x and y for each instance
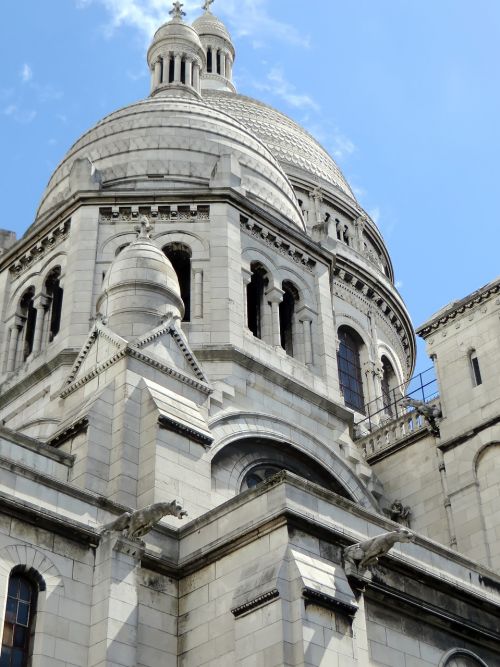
(219, 50)
(176, 57)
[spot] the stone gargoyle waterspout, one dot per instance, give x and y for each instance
(135, 525)
(358, 557)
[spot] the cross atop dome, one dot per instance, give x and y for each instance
(207, 4)
(176, 11)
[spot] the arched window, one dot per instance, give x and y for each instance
(54, 292)
(183, 71)
(171, 69)
(287, 316)
(475, 368)
(389, 382)
(29, 313)
(218, 62)
(255, 298)
(19, 623)
(461, 658)
(349, 364)
(209, 59)
(180, 258)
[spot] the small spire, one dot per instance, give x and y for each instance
(176, 11)
(207, 4)
(143, 229)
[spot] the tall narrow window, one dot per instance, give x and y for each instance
(180, 258)
(171, 69)
(255, 298)
(54, 291)
(287, 316)
(476, 370)
(388, 386)
(218, 62)
(183, 71)
(28, 312)
(162, 70)
(209, 60)
(18, 628)
(349, 364)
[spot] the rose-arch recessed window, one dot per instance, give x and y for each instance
(349, 365)
(287, 310)
(259, 474)
(180, 258)
(255, 298)
(462, 658)
(19, 621)
(54, 292)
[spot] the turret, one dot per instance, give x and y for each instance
(219, 51)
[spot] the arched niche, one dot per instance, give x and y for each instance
(488, 480)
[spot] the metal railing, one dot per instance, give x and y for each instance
(422, 387)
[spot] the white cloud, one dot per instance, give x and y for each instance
(342, 146)
(280, 87)
(26, 73)
(246, 18)
(23, 116)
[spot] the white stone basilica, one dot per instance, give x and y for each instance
(203, 319)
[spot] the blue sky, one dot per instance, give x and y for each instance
(405, 95)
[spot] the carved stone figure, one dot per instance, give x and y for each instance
(431, 413)
(400, 513)
(359, 556)
(135, 525)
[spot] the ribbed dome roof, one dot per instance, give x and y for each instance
(297, 151)
(208, 24)
(177, 30)
(163, 143)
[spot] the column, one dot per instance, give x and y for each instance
(197, 294)
(305, 316)
(196, 77)
(189, 72)
(247, 277)
(222, 64)
(177, 67)
(41, 304)
(274, 297)
(157, 73)
(15, 331)
(229, 73)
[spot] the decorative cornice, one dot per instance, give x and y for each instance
(312, 596)
(258, 230)
(454, 310)
(47, 243)
(81, 424)
(171, 424)
(259, 601)
(170, 213)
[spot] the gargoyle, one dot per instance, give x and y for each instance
(400, 513)
(431, 413)
(136, 524)
(359, 556)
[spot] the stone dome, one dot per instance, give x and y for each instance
(208, 24)
(297, 151)
(177, 30)
(163, 143)
(139, 287)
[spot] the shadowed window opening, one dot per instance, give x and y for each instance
(180, 258)
(19, 622)
(54, 291)
(476, 370)
(255, 298)
(209, 60)
(287, 316)
(389, 380)
(218, 63)
(171, 69)
(349, 364)
(29, 313)
(183, 71)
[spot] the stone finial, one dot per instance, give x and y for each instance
(176, 11)
(360, 556)
(143, 229)
(207, 4)
(135, 525)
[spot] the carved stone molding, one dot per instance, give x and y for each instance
(277, 243)
(41, 248)
(167, 213)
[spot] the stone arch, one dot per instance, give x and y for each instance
(200, 248)
(385, 351)
(487, 475)
(110, 246)
(254, 254)
(307, 295)
(461, 657)
(33, 559)
(36, 279)
(231, 427)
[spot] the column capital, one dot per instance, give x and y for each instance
(306, 314)
(274, 295)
